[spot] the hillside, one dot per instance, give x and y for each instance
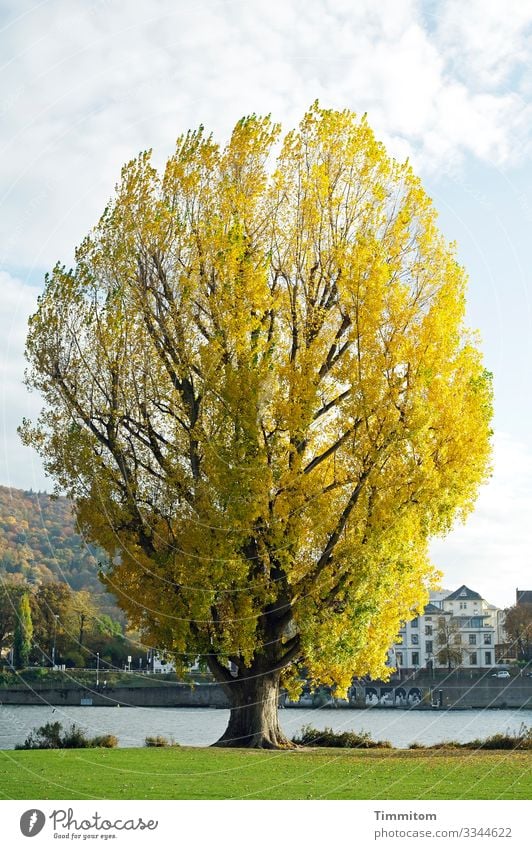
(39, 540)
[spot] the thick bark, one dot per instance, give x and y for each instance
(254, 719)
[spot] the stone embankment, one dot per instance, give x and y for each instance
(453, 691)
(423, 692)
(167, 695)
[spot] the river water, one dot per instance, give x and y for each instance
(203, 726)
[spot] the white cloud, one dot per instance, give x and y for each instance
(485, 40)
(19, 466)
(87, 85)
(492, 551)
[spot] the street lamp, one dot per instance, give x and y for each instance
(56, 617)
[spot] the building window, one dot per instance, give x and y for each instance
(487, 658)
(415, 639)
(463, 605)
(428, 630)
(472, 639)
(414, 623)
(399, 658)
(415, 658)
(473, 658)
(428, 618)
(487, 639)
(428, 646)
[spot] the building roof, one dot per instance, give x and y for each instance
(464, 593)
(432, 608)
(523, 596)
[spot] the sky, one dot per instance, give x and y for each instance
(87, 84)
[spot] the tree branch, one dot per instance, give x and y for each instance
(330, 404)
(327, 553)
(292, 652)
(332, 448)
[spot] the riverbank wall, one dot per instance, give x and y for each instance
(420, 693)
(450, 693)
(169, 695)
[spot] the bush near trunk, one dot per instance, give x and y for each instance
(160, 742)
(309, 736)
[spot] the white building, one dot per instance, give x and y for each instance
(477, 621)
(418, 639)
(474, 627)
(161, 665)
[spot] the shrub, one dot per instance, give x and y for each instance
(38, 672)
(74, 660)
(51, 736)
(105, 741)
(158, 741)
(521, 739)
(46, 737)
(75, 738)
(309, 736)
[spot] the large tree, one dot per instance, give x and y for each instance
(261, 395)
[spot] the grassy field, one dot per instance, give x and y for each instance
(238, 774)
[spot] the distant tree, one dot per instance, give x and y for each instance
(449, 651)
(108, 626)
(261, 393)
(113, 649)
(84, 613)
(518, 626)
(22, 643)
(52, 617)
(10, 593)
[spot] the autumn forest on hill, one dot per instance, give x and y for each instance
(45, 561)
(40, 542)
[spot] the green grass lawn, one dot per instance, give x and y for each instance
(240, 774)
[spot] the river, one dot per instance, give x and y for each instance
(202, 726)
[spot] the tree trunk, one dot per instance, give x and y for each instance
(254, 719)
